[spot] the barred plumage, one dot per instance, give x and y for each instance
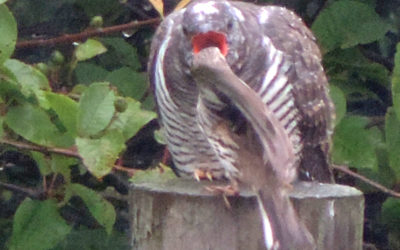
(275, 54)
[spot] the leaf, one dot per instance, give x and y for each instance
(119, 53)
(354, 145)
(129, 83)
(391, 214)
(347, 23)
(2, 1)
(83, 238)
(353, 61)
(96, 108)
(8, 31)
(396, 82)
(132, 119)
(99, 155)
(339, 100)
(1, 126)
(35, 125)
(42, 162)
(66, 109)
(158, 5)
(30, 80)
(87, 73)
(61, 164)
(102, 210)
(38, 225)
(104, 8)
(159, 174)
(159, 136)
(89, 49)
(392, 133)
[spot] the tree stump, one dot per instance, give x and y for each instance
(180, 214)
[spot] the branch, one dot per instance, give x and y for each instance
(78, 37)
(29, 146)
(31, 193)
(366, 180)
(62, 151)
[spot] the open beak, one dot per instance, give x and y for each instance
(210, 39)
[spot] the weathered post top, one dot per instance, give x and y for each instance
(181, 214)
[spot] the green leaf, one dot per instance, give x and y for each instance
(42, 162)
(89, 239)
(148, 103)
(339, 100)
(2, 1)
(1, 126)
(132, 119)
(396, 82)
(100, 7)
(159, 136)
(35, 125)
(347, 23)
(128, 82)
(96, 108)
(89, 49)
(353, 61)
(8, 31)
(99, 155)
(102, 210)
(66, 109)
(391, 214)
(354, 145)
(392, 133)
(30, 80)
(159, 174)
(87, 73)
(120, 53)
(38, 225)
(61, 164)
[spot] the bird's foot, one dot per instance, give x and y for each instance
(200, 174)
(225, 190)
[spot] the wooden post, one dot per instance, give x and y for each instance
(180, 214)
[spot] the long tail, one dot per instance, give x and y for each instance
(282, 228)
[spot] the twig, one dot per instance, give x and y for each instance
(69, 38)
(31, 193)
(29, 146)
(61, 151)
(366, 180)
(130, 171)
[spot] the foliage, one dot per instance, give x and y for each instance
(355, 39)
(72, 108)
(68, 112)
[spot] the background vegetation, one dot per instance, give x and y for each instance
(76, 113)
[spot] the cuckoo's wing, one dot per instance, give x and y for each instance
(310, 88)
(293, 43)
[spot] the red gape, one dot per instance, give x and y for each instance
(210, 39)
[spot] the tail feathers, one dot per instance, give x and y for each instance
(282, 228)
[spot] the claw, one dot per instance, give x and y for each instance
(209, 176)
(200, 174)
(228, 190)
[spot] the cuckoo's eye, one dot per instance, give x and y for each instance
(185, 31)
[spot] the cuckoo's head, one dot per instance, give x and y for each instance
(213, 24)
